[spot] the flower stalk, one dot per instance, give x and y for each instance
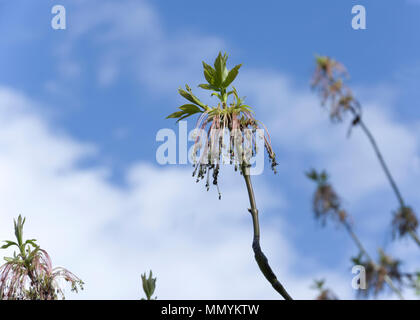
(409, 230)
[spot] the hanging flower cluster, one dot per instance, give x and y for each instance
(227, 133)
(323, 292)
(329, 81)
(326, 202)
(29, 274)
(404, 221)
(376, 273)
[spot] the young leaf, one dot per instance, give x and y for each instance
(190, 97)
(209, 73)
(8, 259)
(206, 86)
(190, 108)
(186, 111)
(231, 76)
(31, 242)
(8, 244)
(149, 285)
(176, 114)
(323, 177)
(19, 228)
(217, 95)
(313, 175)
(219, 66)
(183, 117)
(224, 75)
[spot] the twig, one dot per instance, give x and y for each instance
(362, 249)
(261, 259)
(384, 166)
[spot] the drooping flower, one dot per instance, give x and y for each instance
(404, 222)
(376, 273)
(329, 79)
(326, 203)
(29, 274)
(227, 133)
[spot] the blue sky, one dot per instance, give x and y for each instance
(82, 106)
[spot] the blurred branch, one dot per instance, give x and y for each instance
(326, 203)
(329, 79)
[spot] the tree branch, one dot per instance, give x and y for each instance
(391, 180)
(261, 259)
(362, 249)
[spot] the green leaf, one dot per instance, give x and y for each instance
(323, 177)
(207, 86)
(19, 229)
(217, 95)
(186, 111)
(31, 242)
(183, 117)
(231, 76)
(176, 114)
(186, 95)
(209, 73)
(209, 78)
(32, 254)
(8, 244)
(220, 66)
(149, 285)
(190, 108)
(190, 97)
(224, 75)
(313, 175)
